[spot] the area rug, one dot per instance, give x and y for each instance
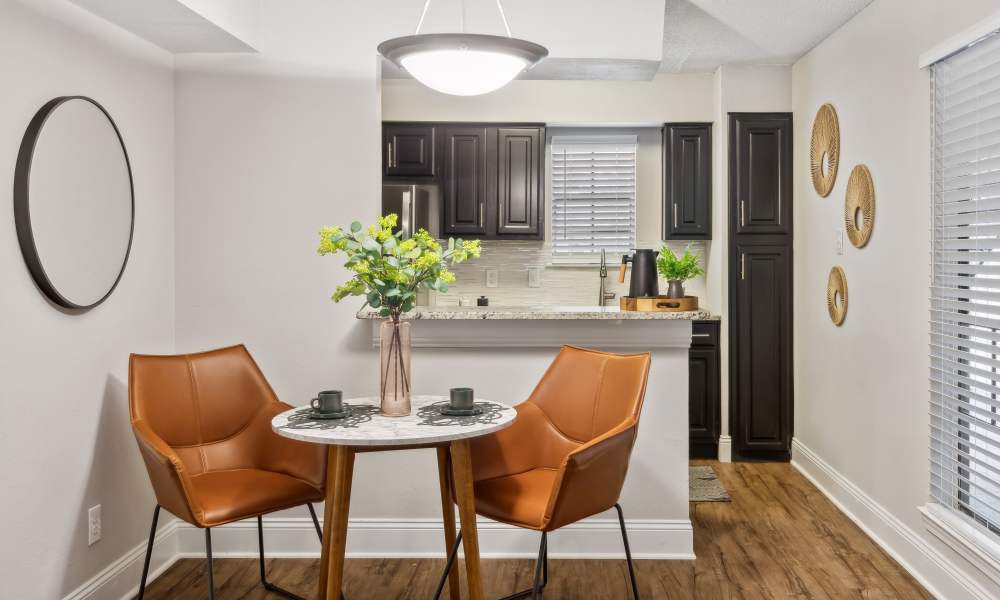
(705, 486)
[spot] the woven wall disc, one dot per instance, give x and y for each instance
(836, 295)
(860, 197)
(825, 142)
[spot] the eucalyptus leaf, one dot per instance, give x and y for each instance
(355, 227)
(372, 245)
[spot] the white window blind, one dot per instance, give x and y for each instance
(965, 292)
(593, 195)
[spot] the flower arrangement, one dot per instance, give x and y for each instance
(387, 269)
(678, 268)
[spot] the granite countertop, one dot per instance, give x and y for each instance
(541, 313)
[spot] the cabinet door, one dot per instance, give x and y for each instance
(687, 181)
(519, 166)
(408, 150)
(762, 350)
(465, 181)
(760, 171)
(703, 401)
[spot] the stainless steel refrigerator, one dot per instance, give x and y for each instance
(418, 207)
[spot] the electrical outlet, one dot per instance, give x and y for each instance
(534, 278)
(838, 240)
(94, 525)
(492, 278)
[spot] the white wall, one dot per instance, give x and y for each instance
(861, 389)
(67, 443)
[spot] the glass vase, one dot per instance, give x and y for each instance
(394, 368)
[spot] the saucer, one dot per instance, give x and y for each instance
(315, 414)
(461, 412)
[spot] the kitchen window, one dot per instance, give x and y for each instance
(593, 196)
(965, 290)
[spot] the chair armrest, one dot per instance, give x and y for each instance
(167, 473)
(592, 476)
(280, 454)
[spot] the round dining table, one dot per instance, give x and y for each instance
(365, 429)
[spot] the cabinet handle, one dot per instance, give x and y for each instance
(482, 216)
(388, 155)
(701, 335)
(743, 264)
(743, 222)
(675, 215)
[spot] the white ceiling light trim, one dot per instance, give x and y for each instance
(462, 64)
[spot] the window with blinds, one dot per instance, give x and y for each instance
(965, 291)
(593, 196)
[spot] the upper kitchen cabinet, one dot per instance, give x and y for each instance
(408, 150)
(687, 181)
(465, 181)
(760, 168)
(519, 163)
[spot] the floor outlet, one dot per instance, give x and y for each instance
(94, 525)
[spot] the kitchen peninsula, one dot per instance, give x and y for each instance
(508, 348)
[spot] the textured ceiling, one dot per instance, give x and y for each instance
(700, 35)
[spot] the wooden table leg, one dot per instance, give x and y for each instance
(448, 514)
(339, 476)
(461, 464)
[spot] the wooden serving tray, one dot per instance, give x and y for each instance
(658, 303)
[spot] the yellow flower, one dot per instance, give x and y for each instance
(388, 221)
(361, 267)
(407, 245)
(447, 276)
(427, 260)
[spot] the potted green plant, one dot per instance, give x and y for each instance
(387, 271)
(677, 269)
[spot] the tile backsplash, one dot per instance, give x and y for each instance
(560, 284)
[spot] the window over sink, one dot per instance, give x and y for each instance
(593, 180)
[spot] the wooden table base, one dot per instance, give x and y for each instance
(339, 477)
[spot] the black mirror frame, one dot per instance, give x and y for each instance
(22, 214)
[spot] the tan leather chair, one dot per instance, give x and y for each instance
(567, 453)
(203, 424)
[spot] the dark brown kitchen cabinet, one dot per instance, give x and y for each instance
(761, 339)
(519, 181)
(408, 150)
(760, 172)
(704, 390)
(465, 180)
(687, 181)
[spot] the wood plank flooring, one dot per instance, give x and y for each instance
(779, 538)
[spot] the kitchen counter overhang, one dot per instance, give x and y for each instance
(551, 326)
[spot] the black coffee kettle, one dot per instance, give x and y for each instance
(643, 283)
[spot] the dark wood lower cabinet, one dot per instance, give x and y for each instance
(703, 390)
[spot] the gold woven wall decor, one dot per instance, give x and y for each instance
(836, 295)
(859, 205)
(824, 149)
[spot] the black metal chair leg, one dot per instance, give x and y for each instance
(149, 553)
(274, 589)
(535, 589)
(628, 552)
(208, 562)
(452, 553)
(543, 550)
(319, 530)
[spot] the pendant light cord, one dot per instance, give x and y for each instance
(427, 4)
(423, 14)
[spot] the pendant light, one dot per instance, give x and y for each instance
(462, 64)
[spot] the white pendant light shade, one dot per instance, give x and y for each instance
(462, 64)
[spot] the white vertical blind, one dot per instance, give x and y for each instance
(593, 195)
(965, 292)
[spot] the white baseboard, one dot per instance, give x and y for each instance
(928, 565)
(725, 448)
(424, 538)
(120, 579)
(368, 538)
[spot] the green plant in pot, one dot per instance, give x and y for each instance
(388, 271)
(677, 269)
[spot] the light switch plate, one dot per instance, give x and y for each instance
(534, 278)
(492, 278)
(94, 525)
(838, 240)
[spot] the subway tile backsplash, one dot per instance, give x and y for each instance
(560, 285)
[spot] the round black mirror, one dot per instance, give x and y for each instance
(74, 205)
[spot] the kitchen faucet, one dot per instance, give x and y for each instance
(603, 294)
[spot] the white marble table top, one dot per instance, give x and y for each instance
(367, 427)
